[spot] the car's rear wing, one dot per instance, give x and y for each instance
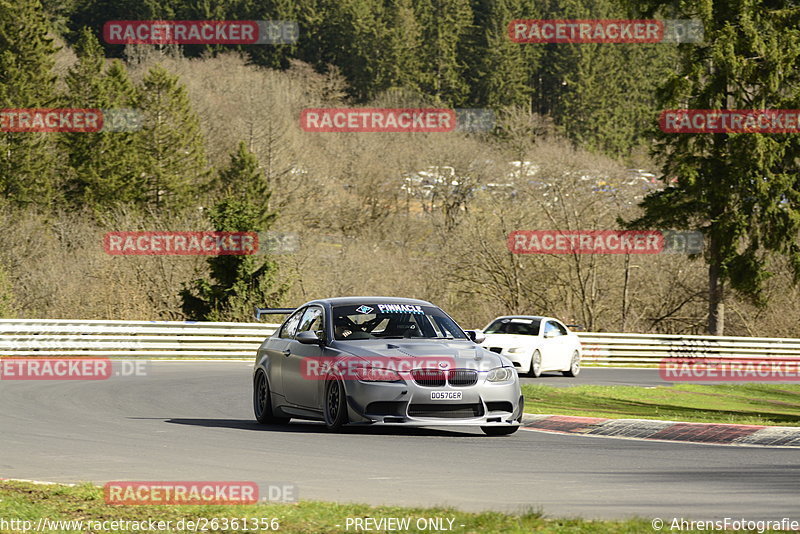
(267, 311)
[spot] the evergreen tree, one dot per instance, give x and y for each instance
(244, 179)
(172, 146)
(601, 94)
(29, 162)
(501, 70)
(354, 33)
(106, 168)
(275, 55)
(400, 64)
(95, 13)
(446, 24)
(741, 189)
(237, 283)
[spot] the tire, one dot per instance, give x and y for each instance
(499, 430)
(335, 405)
(262, 401)
(574, 366)
(535, 369)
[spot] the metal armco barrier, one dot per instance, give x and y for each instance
(639, 350)
(187, 339)
(131, 339)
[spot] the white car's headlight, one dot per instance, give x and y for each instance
(502, 374)
(516, 350)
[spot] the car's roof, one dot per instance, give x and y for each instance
(539, 317)
(348, 301)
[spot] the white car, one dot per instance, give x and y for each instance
(535, 344)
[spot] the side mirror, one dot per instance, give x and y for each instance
(308, 338)
(548, 335)
(476, 336)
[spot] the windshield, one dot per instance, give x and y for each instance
(516, 325)
(376, 320)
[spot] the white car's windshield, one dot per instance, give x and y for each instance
(377, 320)
(516, 325)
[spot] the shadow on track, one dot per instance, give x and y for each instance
(306, 427)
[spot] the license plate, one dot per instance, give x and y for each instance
(446, 395)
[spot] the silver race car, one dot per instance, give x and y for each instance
(385, 361)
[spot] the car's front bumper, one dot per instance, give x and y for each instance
(410, 404)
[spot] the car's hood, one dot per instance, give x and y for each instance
(462, 354)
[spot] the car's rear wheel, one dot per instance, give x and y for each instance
(499, 430)
(335, 407)
(574, 366)
(535, 369)
(262, 401)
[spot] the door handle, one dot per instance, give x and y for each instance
(286, 352)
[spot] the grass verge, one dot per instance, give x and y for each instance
(748, 404)
(23, 501)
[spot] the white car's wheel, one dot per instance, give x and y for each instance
(574, 366)
(535, 369)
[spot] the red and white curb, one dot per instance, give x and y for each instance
(650, 429)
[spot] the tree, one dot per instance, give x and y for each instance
(741, 189)
(244, 179)
(400, 65)
(238, 282)
(174, 160)
(601, 94)
(501, 70)
(95, 13)
(354, 34)
(7, 301)
(445, 24)
(29, 161)
(106, 165)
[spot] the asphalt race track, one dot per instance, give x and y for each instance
(193, 421)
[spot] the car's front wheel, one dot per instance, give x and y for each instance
(262, 401)
(499, 430)
(535, 369)
(574, 366)
(335, 407)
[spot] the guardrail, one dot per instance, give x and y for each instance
(188, 339)
(131, 339)
(638, 350)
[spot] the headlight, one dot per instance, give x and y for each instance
(502, 374)
(516, 350)
(375, 374)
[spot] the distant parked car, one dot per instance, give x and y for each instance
(535, 344)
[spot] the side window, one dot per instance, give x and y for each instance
(290, 326)
(561, 328)
(312, 320)
(551, 328)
